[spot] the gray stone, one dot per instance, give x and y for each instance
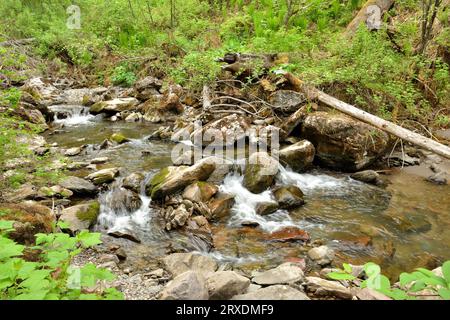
(223, 285)
(189, 285)
(298, 156)
(177, 263)
(276, 292)
(260, 172)
(322, 255)
(283, 274)
(78, 185)
(322, 287)
(103, 176)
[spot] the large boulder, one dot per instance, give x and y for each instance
(225, 131)
(147, 87)
(223, 285)
(134, 182)
(79, 186)
(287, 101)
(298, 156)
(80, 217)
(113, 106)
(285, 273)
(178, 263)
(173, 179)
(289, 197)
(40, 90)
(260, 172)
(276, 292)
(103, 176)
(190, 285)
(343, 143)
(29, 219)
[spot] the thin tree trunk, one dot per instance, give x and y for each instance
(364, 13)
(400, 132)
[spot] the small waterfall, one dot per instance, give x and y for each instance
(71, 115)
(115, 217)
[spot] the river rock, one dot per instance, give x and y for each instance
(171, 100)
(79, 186)
(287, 101)
(221, 205)
(31, 115)
(99, 160)
(133, 117)
(299, 156)
(322, 287)
(289, 234)
(24, 192)
(322, 255)
(190, 285)
(103, 176)
(124, 200)
(367, 176)
(29, 219)
(370, 294)
(41, 91)
(173, 179)
(177, 218)
(224, 131)
(265, 208)
(55, 191)
(283, 274)
(119, 138)
(124, 233)
(178, 263)
(200, 191)
(343, 143)
(113, 106)
(134, 182)
(260, 172)
(289, 197)
(73, 151)
(187, 158)
(223, 285)
(80, 217)
(276, 292)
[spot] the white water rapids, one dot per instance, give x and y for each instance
(71, 115)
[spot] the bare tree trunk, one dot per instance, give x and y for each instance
(400, 132)
(429, 12)
(369, 11)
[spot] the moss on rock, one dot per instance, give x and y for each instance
(89, 213)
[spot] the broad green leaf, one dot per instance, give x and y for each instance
(347, 268)
(435, 279)
(5, 283)
(6, 225)
(444, 293)
(418, 285)
(33, 295)
(26, 269)
(89, 239)
(54, 258)
(63, 225)
(90, 274)
(90, 296)
(340, 276)
(9, 248)
(113, 294)
(446, 272)
(36, 280)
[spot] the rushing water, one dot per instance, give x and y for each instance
(403, 226)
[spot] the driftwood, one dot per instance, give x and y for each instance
(370, 15)
(400, 132)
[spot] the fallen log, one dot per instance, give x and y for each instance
(369, 15)
(396, 130)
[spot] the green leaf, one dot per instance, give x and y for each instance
(8, 248)
(90, 296)
(89, 239)
(113, 294)
(433, 279)
(340, 276)
(6, 225)
(446, 272)
(26, 269)
(444, 293)
(90, 274)
(33, 295)
(347, 268)
(36, 280)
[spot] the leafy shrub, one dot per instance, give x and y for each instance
(51, 277)
(410, 284)
(123, 76)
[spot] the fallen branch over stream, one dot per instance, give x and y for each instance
(396, 130)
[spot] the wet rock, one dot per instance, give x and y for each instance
(299, 156)
(367, 176)
(29, 219)
(399, 159)
(178, 263)
(124, 200)
(439, 178)
(276, 292)
(250, 224)
(321, 287)
(99, 160)
(74, 151)
(260, 172)
(287, 101)
(200, 191)
(134, 182)
(322, 255)
(124, 233)
(54, 191)
(114, 106)
(221, 205)
(225, 131)
(25, 192)
(171, 101)
(223, 285)
(80, 217)
(173, 179)
(119, 138)
(290, 124)
(410, 221)
(287, 234)
(265, 208)
(283, 274)
(134, 117)
(343, 143)
(79, 186)
(178, 217)
(147, 87)
(289, 197)
(103, 176)
(190, 285)
(186, 158)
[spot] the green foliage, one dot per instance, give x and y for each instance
(123, 76)
(410, 284)
(51, 277)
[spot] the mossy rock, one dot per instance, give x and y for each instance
(119, 138)
(89, 213)
(97, 108)
(81, 217)
(156, 181)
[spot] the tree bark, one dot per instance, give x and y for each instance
(400, 132)
(364, 13)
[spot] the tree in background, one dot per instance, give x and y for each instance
(429, 12)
